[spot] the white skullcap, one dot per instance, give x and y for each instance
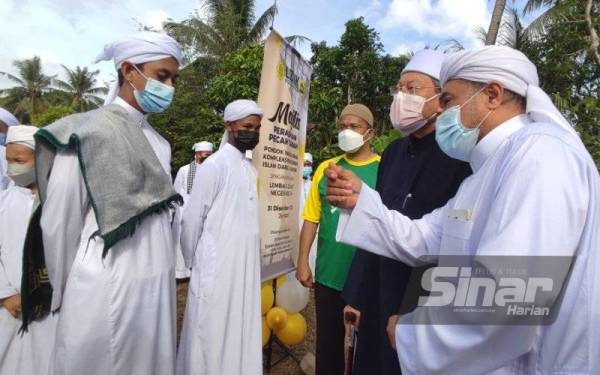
(308, 157)
(203, 146)
(140, 48)
(510, 68)
(8, 118)
(426, 61)
(240, 109)
(21, 135)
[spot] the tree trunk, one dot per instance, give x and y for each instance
(594, 38)
(495, 22)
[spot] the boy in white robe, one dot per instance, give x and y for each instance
(220, 241)
(6, 120)
(28, 353)
(184, 181)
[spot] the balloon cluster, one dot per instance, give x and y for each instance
(283, 316)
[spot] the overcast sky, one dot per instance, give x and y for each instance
(73, 32)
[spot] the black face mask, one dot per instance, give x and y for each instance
(246, 140)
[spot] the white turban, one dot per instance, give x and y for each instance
(510, 68)
(308, 157)
(203, 146)
(141, 48)
(240, 109)
(426, 61)
(21, 135)
(8, 118)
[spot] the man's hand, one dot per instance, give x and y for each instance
(391, 329)
(348, 312)
(343, 187)
(12, 304)
(304, 275)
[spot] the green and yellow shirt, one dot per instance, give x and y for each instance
(334, 258)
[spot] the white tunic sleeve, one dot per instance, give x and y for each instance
(6, 287)
(62, 219)
(196, 209)
(373, 227)
(181, 180)
(539, 210)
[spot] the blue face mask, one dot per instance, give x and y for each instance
(155, 97)
(453, 137)
(307, 171)
(2, 139)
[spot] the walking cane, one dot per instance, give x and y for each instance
(350, 317)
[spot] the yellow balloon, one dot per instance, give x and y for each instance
(294, 331)
(276, 318)
(280, 281)
(266, 297)
(266, 332)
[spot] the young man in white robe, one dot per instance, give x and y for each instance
(26, 354)
(535, 191)
(220, 241)
(6, 120)
(105, 191)
(184, 181)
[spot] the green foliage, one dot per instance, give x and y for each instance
(196, 112)
(80, 88)
(224, 27)
(355, 71)
(25, 98)
(52, 114)
(237, 77)
(568, 72)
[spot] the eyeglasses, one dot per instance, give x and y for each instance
(409, 89)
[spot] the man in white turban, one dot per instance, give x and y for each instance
(26, 354)
(103, 230)
(184, 181)
(6, 120)
(220, 241)
(415, 176)
(530, 213)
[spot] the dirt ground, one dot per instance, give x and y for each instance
(287, 366)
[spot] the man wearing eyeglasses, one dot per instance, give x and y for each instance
(334, 259)
(415, 176)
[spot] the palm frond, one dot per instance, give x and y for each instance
(13, 78)
(296, 40)
(533, 5)
(62, 85)
(454, 45)
(263, 23)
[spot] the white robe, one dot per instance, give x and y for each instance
(180, 184)
(220, 240)
(5, 181)
(28, 354)
(117, 314)
(535, 191)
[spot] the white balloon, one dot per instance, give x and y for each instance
(292, 296)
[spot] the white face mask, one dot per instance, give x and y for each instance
(406, 112)
(22, 174)
(350, 141)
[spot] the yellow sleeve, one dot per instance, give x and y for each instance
(312, 206)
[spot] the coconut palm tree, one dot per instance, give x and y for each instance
(80, 85)
(558, 10)
(26, 97)
(226, 26)
(495, 22)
